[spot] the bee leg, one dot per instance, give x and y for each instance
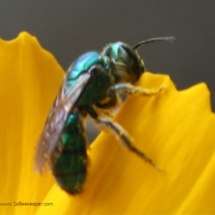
(130, 89)
(106, 113)
(106, 106)
(112, 100)
(120, 133)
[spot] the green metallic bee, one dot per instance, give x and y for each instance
(91, 87)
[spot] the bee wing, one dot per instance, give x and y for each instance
(54, 125)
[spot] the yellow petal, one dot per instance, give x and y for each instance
(30, 79)
(174, 128)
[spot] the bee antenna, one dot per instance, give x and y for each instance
(157, 39)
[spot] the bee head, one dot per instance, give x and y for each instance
(126, 64)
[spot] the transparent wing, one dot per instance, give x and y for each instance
(54, 125)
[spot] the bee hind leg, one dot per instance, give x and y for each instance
(120, 133)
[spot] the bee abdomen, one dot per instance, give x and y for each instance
(70, 167)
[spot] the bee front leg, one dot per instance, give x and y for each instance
(112, 100)
(130, 89)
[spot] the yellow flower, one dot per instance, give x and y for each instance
(174, 128)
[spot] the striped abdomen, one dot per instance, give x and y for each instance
(69, 162)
